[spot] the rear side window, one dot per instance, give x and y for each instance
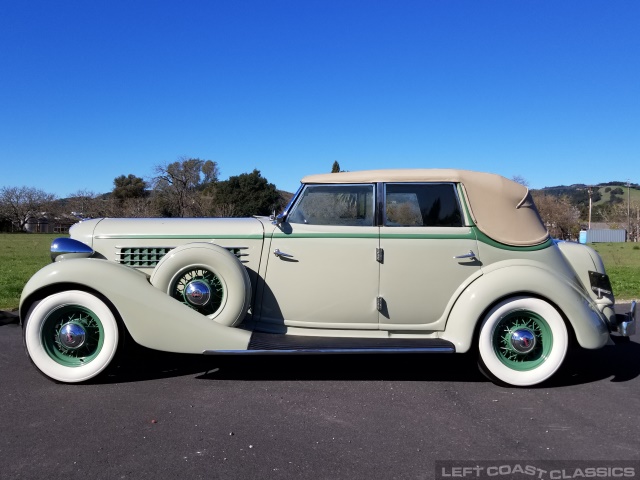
(342, 205)
(422, 205)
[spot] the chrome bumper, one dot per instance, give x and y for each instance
(626, 322)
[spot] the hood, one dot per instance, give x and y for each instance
(92, 232)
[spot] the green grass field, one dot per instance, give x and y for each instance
(622, 261)
(21, 255)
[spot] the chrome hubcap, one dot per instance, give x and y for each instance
(72, 335)
(523, 340)
(198, 293)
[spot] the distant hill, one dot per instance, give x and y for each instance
(602, 193)
(285, 196)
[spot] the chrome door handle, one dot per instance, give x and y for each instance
(280, 254)
(467, 255)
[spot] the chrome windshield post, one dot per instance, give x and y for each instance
(277, 219)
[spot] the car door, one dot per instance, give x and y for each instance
(428, 254)
(322, 270)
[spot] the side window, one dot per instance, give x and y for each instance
(422, 205)
(345, 205)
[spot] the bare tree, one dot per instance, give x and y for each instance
(521, 180)
(130, 198)
(178, 185)
(87, 204)
(225, 210)
(136, 208)
(561, 217)
(20, 204)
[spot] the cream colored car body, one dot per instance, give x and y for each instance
(373, 280)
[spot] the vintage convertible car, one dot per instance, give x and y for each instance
(435, 261)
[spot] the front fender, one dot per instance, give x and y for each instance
(154, 319)
(588, 323)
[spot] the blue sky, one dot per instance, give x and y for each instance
(547, 90)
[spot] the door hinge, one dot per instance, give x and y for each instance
(379, 303)
(379, 255)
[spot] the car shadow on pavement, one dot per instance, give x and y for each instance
(618, 363)
(140, 364)
(7, 318)
(360, 367)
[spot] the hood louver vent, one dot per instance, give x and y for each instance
(148, 257)
(142, 257)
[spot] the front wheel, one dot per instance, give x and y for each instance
(71, 336)
(523, 341)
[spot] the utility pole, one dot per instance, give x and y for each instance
(628, 210)
(589, 191)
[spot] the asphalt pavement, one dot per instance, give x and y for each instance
(165, 416)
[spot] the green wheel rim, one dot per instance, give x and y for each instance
(203, 275)
(79, 316)
(522, 320)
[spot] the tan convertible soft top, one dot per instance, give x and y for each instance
(502, 209)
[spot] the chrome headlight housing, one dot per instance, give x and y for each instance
(65, 248)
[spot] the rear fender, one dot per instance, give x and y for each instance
(588, 324)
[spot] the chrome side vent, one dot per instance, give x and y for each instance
(149, 257)
(141, 257)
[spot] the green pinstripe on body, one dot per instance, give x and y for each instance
(485, 239)
(403, 236)
(179, 237)
(473, 234)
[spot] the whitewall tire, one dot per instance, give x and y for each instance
(71, 336)
(523, 341)
(208, 279)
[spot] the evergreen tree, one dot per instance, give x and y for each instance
(178, 186)
(129, 187)
(245, 195)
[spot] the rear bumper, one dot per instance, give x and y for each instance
(625, 322)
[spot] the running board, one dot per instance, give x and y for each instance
(271, 343)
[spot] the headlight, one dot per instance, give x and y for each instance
(64, 248)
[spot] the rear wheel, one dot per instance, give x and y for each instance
(71, 336)
(523, 341)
